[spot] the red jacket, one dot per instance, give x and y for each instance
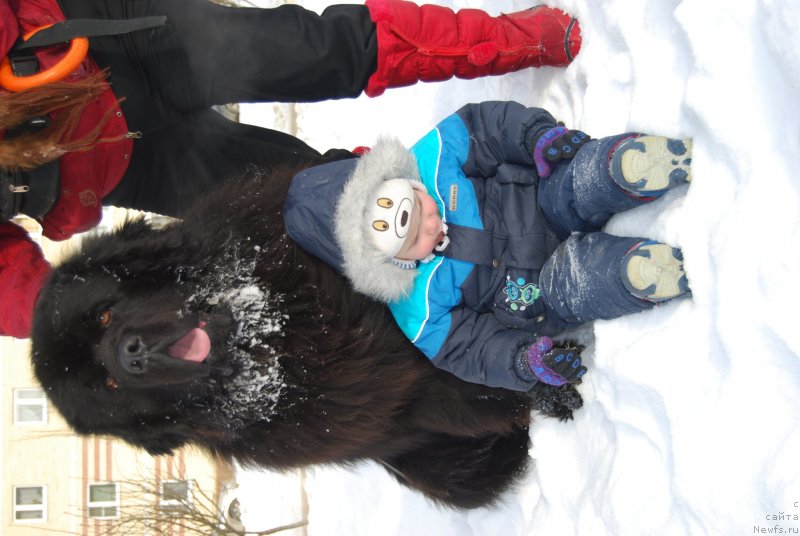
(85, 177)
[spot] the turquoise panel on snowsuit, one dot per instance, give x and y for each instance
(424, 315)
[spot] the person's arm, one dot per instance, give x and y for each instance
(75, 211)
(23, 271)
(474, 346)
(502, 137)
(479, 349)
(9, 28)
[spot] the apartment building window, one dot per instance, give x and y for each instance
(30, 504)
(103, 500)
(176, 496)
(30, 406)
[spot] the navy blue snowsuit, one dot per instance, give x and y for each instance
(512, 270)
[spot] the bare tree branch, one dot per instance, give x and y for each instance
(144, 509)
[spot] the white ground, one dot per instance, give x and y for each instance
(691, 418)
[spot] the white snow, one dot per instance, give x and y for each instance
(253, 393)
(690, 423)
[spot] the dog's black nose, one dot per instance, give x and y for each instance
(132, 354)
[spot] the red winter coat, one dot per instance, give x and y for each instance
(85, 177)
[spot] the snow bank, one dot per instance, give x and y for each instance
(691, 417)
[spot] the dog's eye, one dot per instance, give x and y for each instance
(104, 318)
(111, 384)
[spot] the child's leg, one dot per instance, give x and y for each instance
(611, 175)
(600, 276)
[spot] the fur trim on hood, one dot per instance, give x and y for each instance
(369, 270)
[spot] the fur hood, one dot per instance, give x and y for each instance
(369, 271)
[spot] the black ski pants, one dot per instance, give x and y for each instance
(208, 54)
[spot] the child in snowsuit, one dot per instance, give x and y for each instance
(485, 235)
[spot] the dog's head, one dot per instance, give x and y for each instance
(119, 343)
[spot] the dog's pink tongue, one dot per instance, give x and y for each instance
(194, 346)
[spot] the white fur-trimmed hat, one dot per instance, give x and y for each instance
(369, 267)
(389, 214)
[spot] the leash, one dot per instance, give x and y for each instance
(68, 30)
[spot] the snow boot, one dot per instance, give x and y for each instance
(654, 272)
(433, 43)
(648, 166)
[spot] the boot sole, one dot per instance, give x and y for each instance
(654, 272)
(651, 165)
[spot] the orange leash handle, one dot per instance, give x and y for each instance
(78, 49)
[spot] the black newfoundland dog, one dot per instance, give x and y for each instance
(220, 332)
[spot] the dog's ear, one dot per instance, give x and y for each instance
(118, 247)
(164, 439)
(136, 248)
(133, 228)
(157, 440)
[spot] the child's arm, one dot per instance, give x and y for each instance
(477, 348)
(502, 139)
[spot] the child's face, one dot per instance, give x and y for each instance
(424, 231)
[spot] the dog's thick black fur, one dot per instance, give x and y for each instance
(302, 370)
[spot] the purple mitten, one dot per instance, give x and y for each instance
(543, 165)
(553, 366)
(555, 145)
